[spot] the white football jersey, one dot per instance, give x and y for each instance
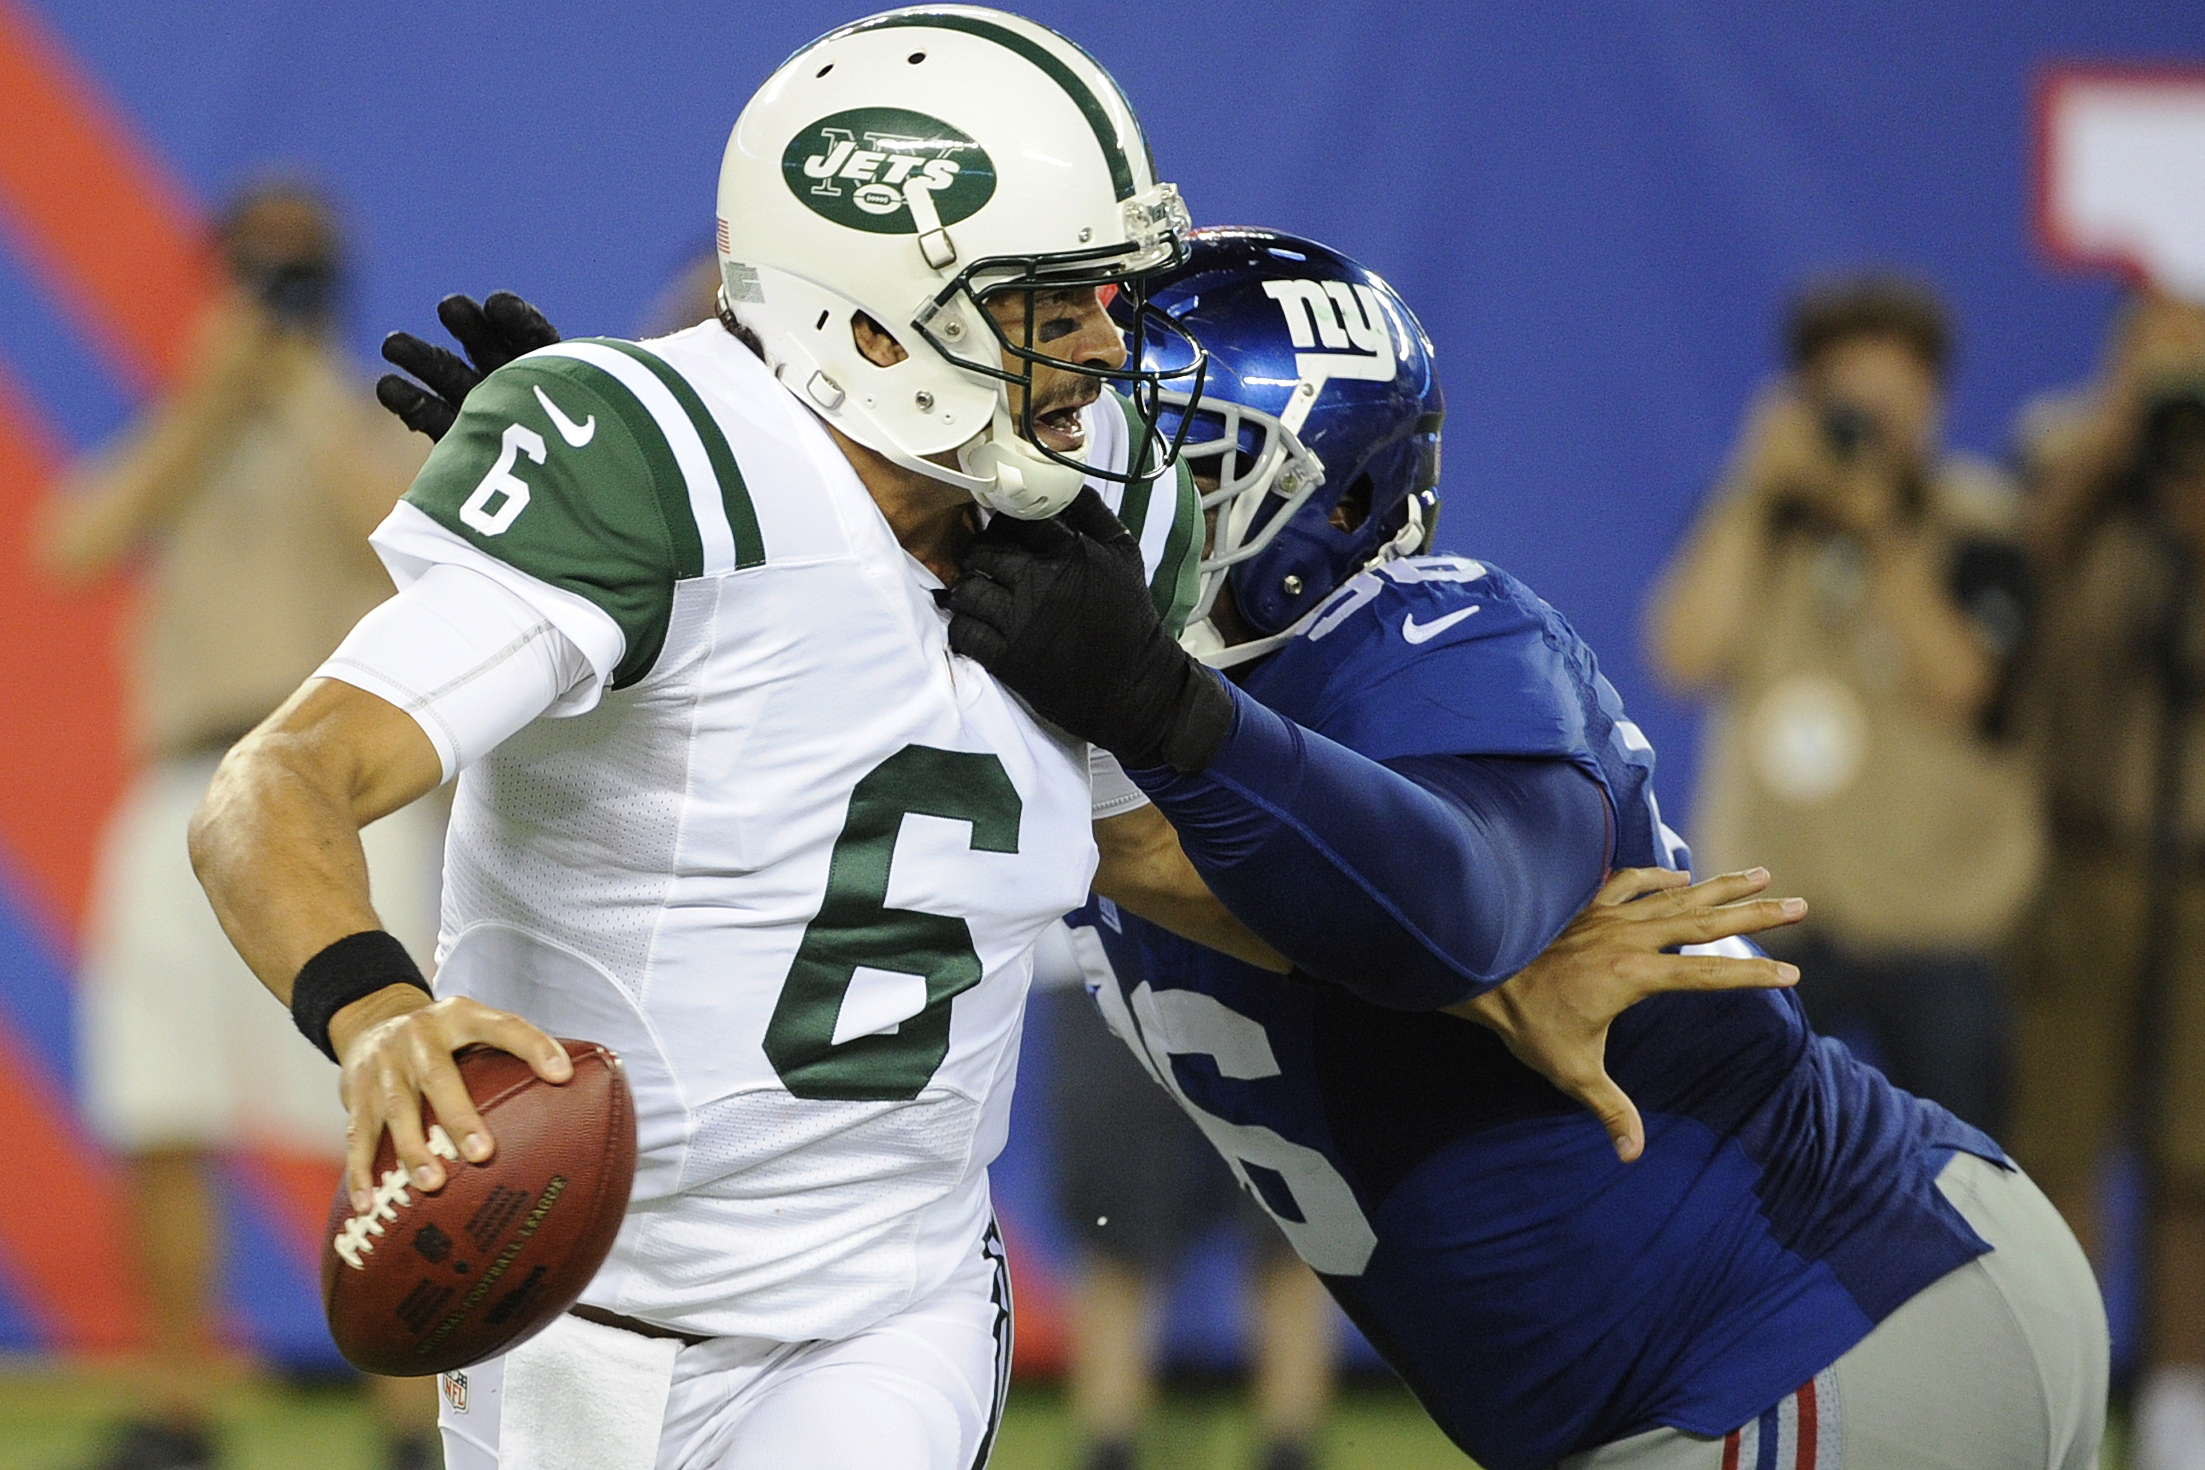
(786, 854)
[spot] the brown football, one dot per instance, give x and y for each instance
(426, 1283)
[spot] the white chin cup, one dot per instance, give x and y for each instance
(1023, 482)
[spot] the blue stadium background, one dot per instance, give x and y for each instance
(1596, 208)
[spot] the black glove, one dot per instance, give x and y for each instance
(500, 329)
(1059, 611)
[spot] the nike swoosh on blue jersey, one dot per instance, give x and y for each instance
(1417, 632)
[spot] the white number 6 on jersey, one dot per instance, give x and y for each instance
(501, 481)
(1325, 1225)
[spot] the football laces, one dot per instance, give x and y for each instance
(356, 1241)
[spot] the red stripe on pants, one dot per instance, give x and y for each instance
(1807, 1435)
(1730, 1450)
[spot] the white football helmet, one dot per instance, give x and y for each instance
(909, 165)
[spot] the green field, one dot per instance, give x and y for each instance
(52, 1420)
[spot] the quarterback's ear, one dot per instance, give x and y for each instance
(874, 343)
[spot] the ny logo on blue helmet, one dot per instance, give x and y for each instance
(1315, 433)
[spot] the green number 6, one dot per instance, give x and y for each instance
(855, 927)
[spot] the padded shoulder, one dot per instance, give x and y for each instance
(591, 466)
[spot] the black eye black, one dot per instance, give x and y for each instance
(1055, 327)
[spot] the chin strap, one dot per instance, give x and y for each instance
(1024, 483)
(1208, 646)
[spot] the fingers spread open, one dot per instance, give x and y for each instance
(448, 376)
(411, 1061)
(424, 413)
(523, 327)
(1713, 972)
(1625, 884)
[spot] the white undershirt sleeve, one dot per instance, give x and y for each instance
(467, 658)
(410, 542)
(1114, 791)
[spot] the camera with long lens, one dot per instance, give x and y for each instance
(300, 293)
(1847, 429)
(1848, 434)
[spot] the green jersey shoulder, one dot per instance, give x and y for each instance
(594, 467)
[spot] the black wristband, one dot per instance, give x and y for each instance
(353, 968)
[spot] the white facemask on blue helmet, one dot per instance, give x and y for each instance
(1319, 414)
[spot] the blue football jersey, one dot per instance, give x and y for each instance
(1540, 1296)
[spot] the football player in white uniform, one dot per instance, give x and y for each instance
(727, 802)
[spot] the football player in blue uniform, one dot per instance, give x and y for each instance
(1412, 783)
(1415, 788)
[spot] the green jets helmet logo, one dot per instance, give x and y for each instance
(860, 169)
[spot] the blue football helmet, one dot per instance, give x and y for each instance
(1320, 417)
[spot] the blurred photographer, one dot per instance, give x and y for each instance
(241, 499)
(2113, 974)
(1851, 600)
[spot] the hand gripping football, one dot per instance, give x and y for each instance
(426, 1283)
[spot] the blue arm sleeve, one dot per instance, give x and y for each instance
(1414, 884)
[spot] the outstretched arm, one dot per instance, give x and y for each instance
(1415, 888)
(1368, 873)
(1554, 1014)
(1414, 885)
(1404, 881)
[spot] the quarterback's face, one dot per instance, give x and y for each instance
(1070, 326)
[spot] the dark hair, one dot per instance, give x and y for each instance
(1837, 311)
(740, 332)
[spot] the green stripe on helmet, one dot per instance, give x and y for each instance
(1082, 95)
(1148, 149)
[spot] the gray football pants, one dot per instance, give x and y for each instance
(2000, 1365)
